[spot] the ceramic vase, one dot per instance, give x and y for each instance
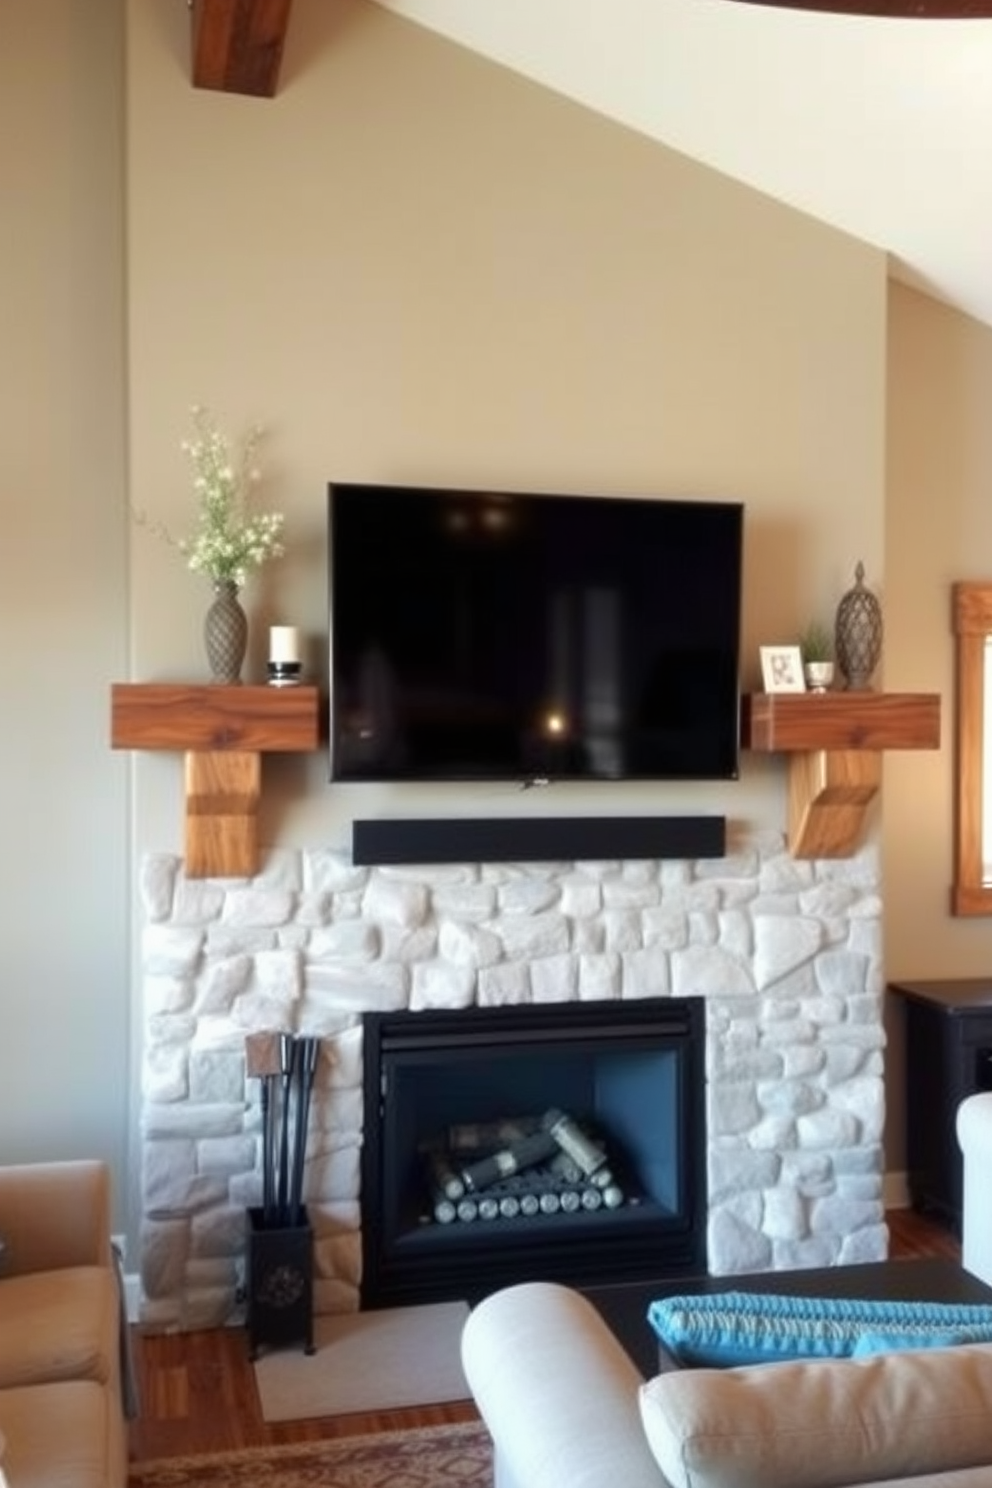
(858, 634)
(225, 633)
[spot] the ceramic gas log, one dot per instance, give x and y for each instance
(522, 1166)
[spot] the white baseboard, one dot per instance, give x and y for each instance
(895, 1191)
(132, 1296)
(132, 1282)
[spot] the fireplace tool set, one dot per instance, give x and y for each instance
(279, 1274)
(286, 1066)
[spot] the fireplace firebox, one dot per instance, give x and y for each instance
(560, 1141)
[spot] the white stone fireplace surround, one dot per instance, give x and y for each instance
(786, 953)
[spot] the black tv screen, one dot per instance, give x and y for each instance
(480, 635)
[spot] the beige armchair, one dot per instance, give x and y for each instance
(61, 1329)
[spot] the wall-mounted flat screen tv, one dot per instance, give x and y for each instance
(481, 635)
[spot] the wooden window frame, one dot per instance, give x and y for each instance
(972, 602)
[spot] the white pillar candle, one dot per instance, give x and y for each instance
(284, 643)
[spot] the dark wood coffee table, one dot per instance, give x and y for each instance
(625, 1305)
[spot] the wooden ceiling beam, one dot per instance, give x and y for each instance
(933, 10)
(237, 44)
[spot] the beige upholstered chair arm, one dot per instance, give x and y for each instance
(557, 1392)
(974, 1126)
(53, 1215)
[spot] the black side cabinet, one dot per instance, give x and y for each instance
(948, 1057)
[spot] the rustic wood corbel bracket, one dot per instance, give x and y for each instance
(835, 742)
(223, 731)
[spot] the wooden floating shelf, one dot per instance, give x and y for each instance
(783, 722)
(835, 742)
(223, 731)
(167, 715)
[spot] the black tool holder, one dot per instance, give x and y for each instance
(279, 1283)
(279, 1270)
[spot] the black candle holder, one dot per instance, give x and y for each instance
(285, 673)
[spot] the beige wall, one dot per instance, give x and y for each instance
(938, 529)
(410, 264)
(64, 993)
(413, 265)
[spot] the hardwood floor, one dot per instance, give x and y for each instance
(198, 1395)
(913, 1237)
(198, 1389)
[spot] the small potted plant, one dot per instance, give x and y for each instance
(816, 646)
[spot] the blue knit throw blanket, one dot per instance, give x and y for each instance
(728, 1328)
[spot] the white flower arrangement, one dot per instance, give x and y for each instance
(228, 540)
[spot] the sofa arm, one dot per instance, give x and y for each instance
(557, 1392)
(974, 1127)
(54, 1214)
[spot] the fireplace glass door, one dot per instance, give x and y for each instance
(561, 1141)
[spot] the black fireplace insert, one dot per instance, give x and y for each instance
(561, 1141)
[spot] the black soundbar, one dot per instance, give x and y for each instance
(537, 839)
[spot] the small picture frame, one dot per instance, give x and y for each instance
(782, 669)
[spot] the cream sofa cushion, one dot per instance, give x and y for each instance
(816, 1424)
(58, 1325)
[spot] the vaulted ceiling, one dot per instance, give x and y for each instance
(238, 44)
(876, 124)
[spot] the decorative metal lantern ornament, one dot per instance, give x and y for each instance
(858, 634)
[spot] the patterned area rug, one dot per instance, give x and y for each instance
(452, 1456)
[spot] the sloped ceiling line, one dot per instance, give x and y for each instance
(877, 126)
(915, 10)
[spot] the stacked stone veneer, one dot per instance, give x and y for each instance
(786, 953)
